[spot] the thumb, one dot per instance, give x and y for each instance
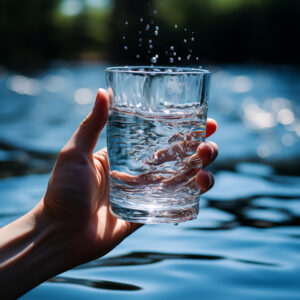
(86, 136)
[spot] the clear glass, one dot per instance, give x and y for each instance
(156, 122)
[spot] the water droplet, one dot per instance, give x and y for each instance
(171, 60)
(154, 59)
(156, 27)
(174, 53)
(141, 19)
(175, 26)
(137, 56)
(172, 48)
(179, 58)
(151, 46)
(192, 39)
(184, 40)
(150, 41)
(125, 47)
(155, 32)
(126, 22)
(155, 12)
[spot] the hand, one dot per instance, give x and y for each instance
(77, 194)
(72, 224)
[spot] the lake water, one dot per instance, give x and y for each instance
(245, 243)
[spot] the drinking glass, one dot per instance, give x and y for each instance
(157, 119)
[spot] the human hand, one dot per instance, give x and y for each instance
(77, 194)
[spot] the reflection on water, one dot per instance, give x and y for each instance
(245, 243)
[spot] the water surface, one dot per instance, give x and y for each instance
(245, 243)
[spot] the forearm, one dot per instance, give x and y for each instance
(32, 250)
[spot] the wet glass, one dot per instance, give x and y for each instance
(156, 122)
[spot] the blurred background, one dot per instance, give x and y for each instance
(246, 239)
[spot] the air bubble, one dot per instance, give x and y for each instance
(126, 22)
(151, 46)
(188, 57)
(156, 27)
(137, 56)
(154, 59)
(123, 37)
(184, 40)
(141, 19)
(172, 48)
(147, 27)
(175, 26)
(171, 60)
(140, 31)
(150, 41)
(197, 58)
(155, 32)
(185, 29)
(174, 53)
(125, 47)
(155, 12)
(140, 39)
(192, 39)
(166, 52)
(179, 58)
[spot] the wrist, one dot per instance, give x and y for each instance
(32, 250)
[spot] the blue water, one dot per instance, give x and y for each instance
(245, 243)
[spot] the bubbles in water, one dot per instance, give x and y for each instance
(172, 48)
(151, 46)
(137, 56)
(197, 58)
(149, 51)
(156, 27)
(155, 12)
(192, 39)
(174, 53)
(185, 29)
(179, 58)
(166, 52)
(140, 39)
(171, 60)
(150, 41)
(126, 22)
(123, 37)
(190, 50)
(184, 41)
(154, 59)
(140, 31)
(141, 19)
(175, 26)
(125, 47)
(188, 57)
(147, 27)
(155, 32)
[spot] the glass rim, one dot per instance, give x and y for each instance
(153, 70)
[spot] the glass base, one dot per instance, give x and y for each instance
(157, 215)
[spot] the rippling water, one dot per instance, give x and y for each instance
(245, 243)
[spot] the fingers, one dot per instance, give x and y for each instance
(204, 180)
(211, 127)
(207, 152)
(86, 136)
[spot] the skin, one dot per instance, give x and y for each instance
(72, 224)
